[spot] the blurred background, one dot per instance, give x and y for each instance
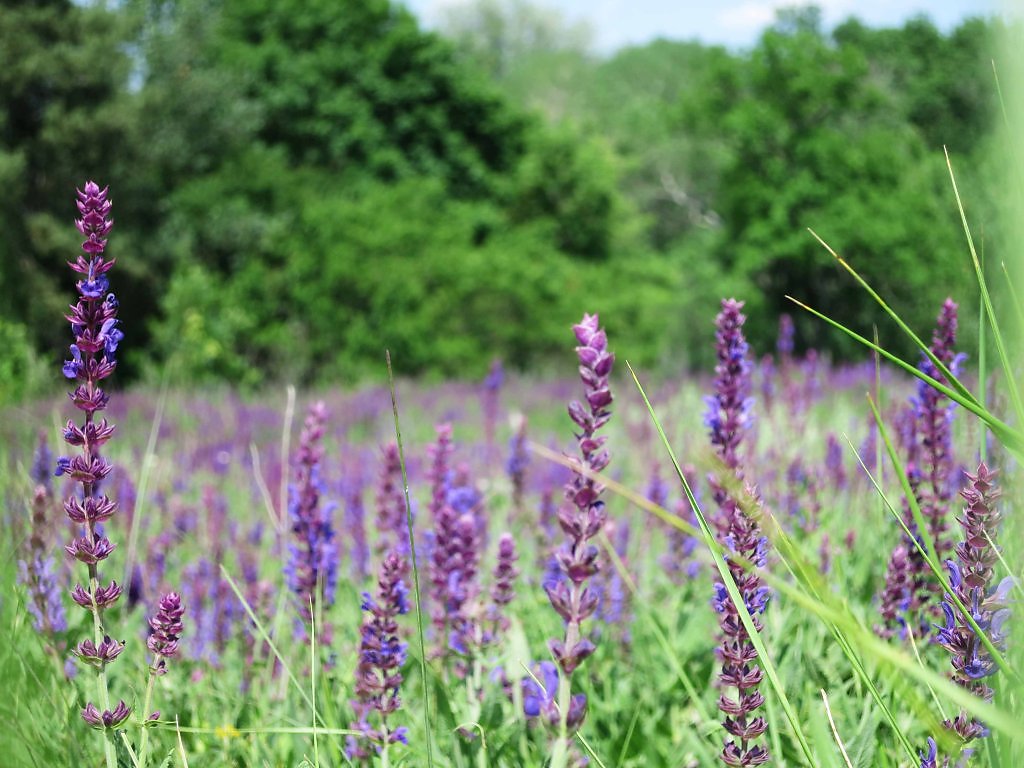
(299, 184)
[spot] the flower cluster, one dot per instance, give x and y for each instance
(97, 335)
(390, 502)
(910, 594)
(970, 577)
(517, 464)
(729, 408)
(933, 419)
(381, 657)
(583, 516)
(727, 418)
(36, 571)
(167, 628)
(312, 568)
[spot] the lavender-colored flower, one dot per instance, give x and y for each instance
(167, 628)
(518, 462)
(454, 571)
(896, 596)
(540, 695)
(930, 467)
(490, 401)
(36, 572)
(438, 473)
(933, 414)
(312, 569)
(834, 468)
(787, 334)
(381, 657)
(583, 516)
(728, 417)
(767, 374)
(355, 525)
(729, 408)
(503, 590)
(107, 719)
(97, 335)
(970, 577)
(390, 503)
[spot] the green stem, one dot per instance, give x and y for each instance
(144, 740)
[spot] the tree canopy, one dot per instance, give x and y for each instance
(299, 184)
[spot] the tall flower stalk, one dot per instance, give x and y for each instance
(728, 417)
(167, 629)
(37, 571)
(581, 518)
(312, 569)
(970, 577)
(97, 335)
(930, 469)
(379, 669)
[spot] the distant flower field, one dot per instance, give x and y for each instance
(512, 572)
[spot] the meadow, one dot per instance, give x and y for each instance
(343, 478)
(568, 604)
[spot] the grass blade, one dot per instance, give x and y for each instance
(415, 567)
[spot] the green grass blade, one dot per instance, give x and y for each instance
(1007, 435)
(939, 365)
(997, 336)
(415, 568)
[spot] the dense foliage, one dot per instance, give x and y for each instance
(303, 183)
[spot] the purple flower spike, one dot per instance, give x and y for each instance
(167, 626)
(36, 572)
(583, 515)
(930, 470)
(312, 568)
(97, 336)
(381, 657)
(728, 418)
(517, 464)
(390, 501)
(970, 577)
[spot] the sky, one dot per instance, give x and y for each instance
(736, 23)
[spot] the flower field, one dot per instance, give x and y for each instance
(516, 571)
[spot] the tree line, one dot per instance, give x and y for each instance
(299, 183)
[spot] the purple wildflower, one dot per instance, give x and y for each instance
(97, 335)
(490, 401)
(381, 657)
(934, 418)
(503, 585)
(729, 408)
(167, 629)
(834, 468)
(970, 577)
(896, 596)
(583, 516)
(787, 335)
(728, 417)
(108, 719)
(36, 572)
(312, 569)
(929, 469)
(440, 451)
(390, 502)
(518, 461)
(540, 698)
(355, 525)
